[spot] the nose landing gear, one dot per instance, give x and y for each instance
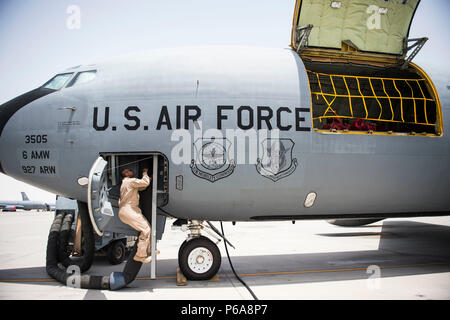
(198, 257)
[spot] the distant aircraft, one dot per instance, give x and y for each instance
(25, 204)
(360, 130)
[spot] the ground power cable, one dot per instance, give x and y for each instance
(232, 268)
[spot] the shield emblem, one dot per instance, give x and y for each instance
(276, 162)
(212, 162)
(213, 155)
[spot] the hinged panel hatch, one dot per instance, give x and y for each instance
(100, 209)
(103, 196)
(378, 26)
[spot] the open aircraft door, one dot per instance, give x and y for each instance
(104, 193)
(103, 209)
(100, 209)
(380, 27)
(358, 58)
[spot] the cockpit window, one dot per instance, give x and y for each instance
(82, 77)
(58, 81)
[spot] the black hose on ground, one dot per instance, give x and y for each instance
(57, 241)
(119, 280)
(88, 240)
(63, 238)
(52, 251)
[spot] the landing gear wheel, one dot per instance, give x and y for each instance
(116, 252)
(199, 259)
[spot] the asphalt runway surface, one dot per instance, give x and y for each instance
(390, 259)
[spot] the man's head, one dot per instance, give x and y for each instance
(127, 173)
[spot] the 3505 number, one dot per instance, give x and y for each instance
(36, 138)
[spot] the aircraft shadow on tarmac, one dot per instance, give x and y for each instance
(405, 248)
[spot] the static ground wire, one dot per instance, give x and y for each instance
(232, 268)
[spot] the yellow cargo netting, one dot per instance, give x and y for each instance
(384, 101)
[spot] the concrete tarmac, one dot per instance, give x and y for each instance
(391, 259)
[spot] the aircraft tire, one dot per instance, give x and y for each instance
(352, 222)
(116, 252)
(199, 258)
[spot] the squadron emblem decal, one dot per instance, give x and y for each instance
(276, 162)
(212, 155)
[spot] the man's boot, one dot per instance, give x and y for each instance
(143, 259)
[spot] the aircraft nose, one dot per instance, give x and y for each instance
(8, 109)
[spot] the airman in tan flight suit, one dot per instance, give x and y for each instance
(131, 214)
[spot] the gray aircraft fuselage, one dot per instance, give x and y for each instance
(50, 139)
(25, 205)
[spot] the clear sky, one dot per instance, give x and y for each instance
(36, 41)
